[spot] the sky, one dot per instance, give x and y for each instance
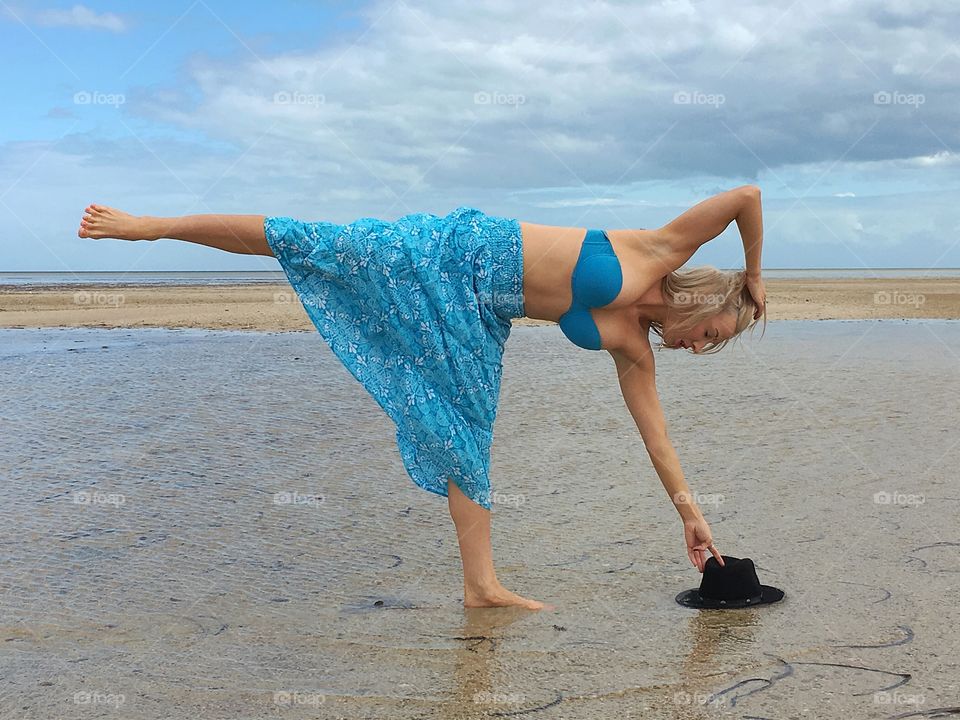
(589, 114)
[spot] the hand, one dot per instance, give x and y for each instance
(758, 293)
(697, 535)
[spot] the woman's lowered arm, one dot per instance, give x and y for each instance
(638, 385)
(637, 376)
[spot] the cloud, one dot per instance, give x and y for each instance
(80, 16)
(437, 93)
(621, 114)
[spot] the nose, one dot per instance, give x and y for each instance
(697, 346)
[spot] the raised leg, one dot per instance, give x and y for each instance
(480, 585)
(234, 233)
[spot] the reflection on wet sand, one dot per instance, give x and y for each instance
(478, 691)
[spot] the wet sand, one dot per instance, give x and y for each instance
(275, 307)
(217, 525)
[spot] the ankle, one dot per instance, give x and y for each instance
(482, 586)
(149, 227)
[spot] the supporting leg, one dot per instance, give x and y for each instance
(233, 233)
(480, 585)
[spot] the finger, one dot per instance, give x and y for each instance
(716, 554)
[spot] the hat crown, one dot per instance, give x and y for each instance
(736, 580)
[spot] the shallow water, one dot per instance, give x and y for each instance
(218, 525)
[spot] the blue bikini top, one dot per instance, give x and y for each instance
(596, 281)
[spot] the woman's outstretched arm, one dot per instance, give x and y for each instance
(636, 372)
(233, 233)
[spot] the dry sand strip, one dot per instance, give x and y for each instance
(275, 307)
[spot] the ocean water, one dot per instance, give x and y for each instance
(209, 524)
(213, 277)
(198, 277)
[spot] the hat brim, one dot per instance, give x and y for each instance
(691, 598)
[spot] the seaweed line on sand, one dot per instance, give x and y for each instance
(786, 671)
(907, 638)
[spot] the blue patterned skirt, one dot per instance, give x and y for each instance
(418, 310)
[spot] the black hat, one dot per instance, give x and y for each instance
(735, 585)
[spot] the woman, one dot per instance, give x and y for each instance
(419, 309)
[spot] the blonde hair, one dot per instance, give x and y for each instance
(699, 293)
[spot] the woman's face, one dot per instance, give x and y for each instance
(714, 329)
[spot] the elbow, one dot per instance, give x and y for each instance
(658, 446)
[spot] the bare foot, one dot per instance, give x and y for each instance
(499, 596)
(100, 221)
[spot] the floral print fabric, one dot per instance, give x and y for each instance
(418, 310)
